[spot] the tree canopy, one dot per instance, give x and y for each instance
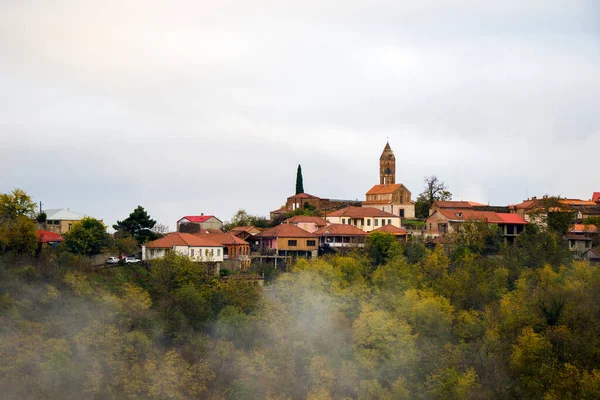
(299, 181)
(17, 229)
(433, 191)
(86, 237)
(139, 225)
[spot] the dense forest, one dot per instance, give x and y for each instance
(391, 321)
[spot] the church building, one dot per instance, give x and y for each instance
(390, 196)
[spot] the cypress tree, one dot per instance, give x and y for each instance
(299, 182)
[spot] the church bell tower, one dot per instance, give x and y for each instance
(387, 166)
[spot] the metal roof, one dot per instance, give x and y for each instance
(62, 214)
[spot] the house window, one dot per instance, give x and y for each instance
(383, 222)
(218, 252)
(402, 213)
(292, 243)
(70, 225)
(343, 221)
(368, 222)
(192, 252)
(376, 222)
(311, 242)
(389, 221)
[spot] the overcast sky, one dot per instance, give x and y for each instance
(189, 107)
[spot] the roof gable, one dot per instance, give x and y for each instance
(386, 189)
(198, 219)
(361, 212)
(286, 230)
(340, 230)
(62, 214)
(182, 239)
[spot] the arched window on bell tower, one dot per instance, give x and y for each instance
(387, 166)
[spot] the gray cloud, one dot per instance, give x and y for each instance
(192, 107)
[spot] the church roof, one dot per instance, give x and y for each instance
(386, 189)
(387, 152)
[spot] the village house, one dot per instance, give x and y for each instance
(301, 200)
(197, 223)
(307, 222)
(454, 204)
(288, 240)
(59, 220)
(580, 238)
(197, 247)
(365, 218)
(337, 236)
(47, 238)
(445, 221)
(388, 195)
(399, 233)
(534, 209)
(245, 232)
(236, 252)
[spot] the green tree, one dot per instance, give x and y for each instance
(434, 190)
(299, 182)
(382, 246)
(17, 229)
(86, 237)
(139, 225)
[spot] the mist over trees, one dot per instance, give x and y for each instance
(392, 321)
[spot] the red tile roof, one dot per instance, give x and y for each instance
(198, 218)
(47, 236)
(286, 230)
(306, 219)
(303, 196)
(386, 189)
(182, 239)
(488, 216)
(340, 230)
(391, 229)
(596, 197)
(361, 212)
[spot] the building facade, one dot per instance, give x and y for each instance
(389, 196)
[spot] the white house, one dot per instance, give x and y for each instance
(196, 247)
(365, 218)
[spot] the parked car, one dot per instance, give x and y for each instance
(112, 260)
(132, 260)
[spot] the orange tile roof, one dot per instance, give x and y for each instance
(340, 230)
(389, 228)
(307, 219)
(583, 228)
(303, 196)
(596, 197)
(361, 212)
(182, 239)
(577, 202)
(286, 230)
(386, 189)
(223, 238)
(488, 216)
(456, 204)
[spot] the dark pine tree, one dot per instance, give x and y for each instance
(299, 183)
(138, 224)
